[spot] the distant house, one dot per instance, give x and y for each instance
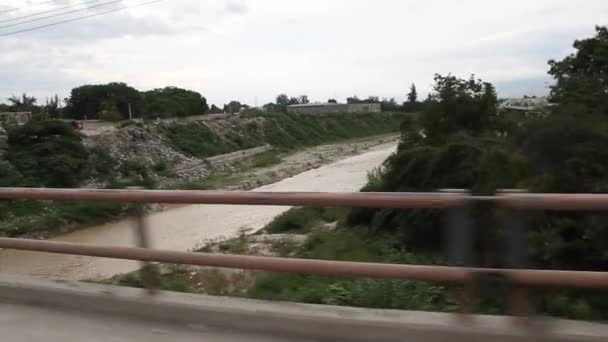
(525, 103)
(14, 118)
(525, 108)
(329, 107)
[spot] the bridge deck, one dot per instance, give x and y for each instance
(35, 324)
(34, 310)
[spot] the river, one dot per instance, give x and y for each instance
(186, 227)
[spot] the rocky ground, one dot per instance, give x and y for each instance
(307, 159)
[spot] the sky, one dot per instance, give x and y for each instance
(253, 50)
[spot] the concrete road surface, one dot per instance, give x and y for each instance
(20, 323)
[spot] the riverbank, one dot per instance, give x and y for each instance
(188, 227)
(228, 153)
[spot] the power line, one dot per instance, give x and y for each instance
(60, 14)
(79, 18)
(9, 10)
(38, 3)
(48, 11)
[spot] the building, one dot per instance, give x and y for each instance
(14, 118)
(525, 104)
(363, 108)
(325, 107)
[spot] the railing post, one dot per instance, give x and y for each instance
(458, 233)
(517, 257)
(149, 272)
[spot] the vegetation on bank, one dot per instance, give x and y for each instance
(281, 130)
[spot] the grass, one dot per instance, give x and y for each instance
(353, 244)
(303, 219)
(222, 179)
(24, 217)
(281, 130)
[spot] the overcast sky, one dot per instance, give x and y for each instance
(253, 50)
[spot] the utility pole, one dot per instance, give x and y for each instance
(130, 114)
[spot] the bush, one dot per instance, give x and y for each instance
(302, 220)
(48, 153)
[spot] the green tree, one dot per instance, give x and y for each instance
(412, 96)
(233, 107)
(581, 84)
(215, 110)
(52, 108)
(458, 105)
(109, 111)
(87, 100)
(24, 103)
(48, 153)
(173, 101)
(282, 102)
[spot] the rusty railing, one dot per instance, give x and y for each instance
(459, 271)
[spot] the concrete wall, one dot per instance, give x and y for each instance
(318, 109)
(335, 108)
(233, 157)
(364, 108)
(14, 118)
(314, 322)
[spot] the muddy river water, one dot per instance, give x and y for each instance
(186, 227)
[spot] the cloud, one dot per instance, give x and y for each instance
(323, 48)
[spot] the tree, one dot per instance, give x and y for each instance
(353, 99)
(303, 99)
(87, 100)
(581, 85)
(215, 110)
(458, 105)
(173, 101)
(109, 111)
(389, 105)
(282, 102)
(232, 107)
(23, 103)
(412, 96)
(48, 153)
(52, 108)
(332, 101)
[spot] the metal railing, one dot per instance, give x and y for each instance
(458, 247)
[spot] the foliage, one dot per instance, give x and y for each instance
(173, 101)
(48, 153)
(88, 100)
(370, 99)
(412, 104)
(215, 110)
(581, 86)
(412, 96)
(293, 130)
(24, 103)
(195, 139)
(458, 105)
(359, 245)
(52, 108)
(109, 112)
(233, 107)
(303, 219)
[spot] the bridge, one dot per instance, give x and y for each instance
(41, 310)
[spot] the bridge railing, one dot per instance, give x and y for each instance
(459, 271)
